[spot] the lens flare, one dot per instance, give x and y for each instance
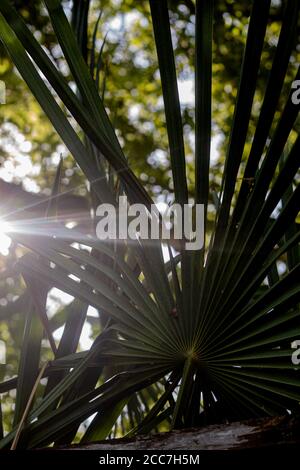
(5, 241)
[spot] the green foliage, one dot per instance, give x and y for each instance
(226, 352)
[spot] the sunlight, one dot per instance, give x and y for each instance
(5, 241)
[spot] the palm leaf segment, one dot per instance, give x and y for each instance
(227, 348)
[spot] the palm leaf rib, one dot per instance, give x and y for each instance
(206, 336)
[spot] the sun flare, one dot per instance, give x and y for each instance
(5, 241)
